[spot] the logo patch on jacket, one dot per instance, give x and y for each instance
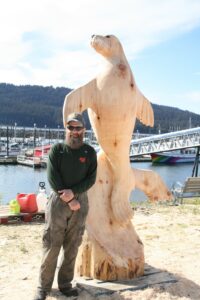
(82, 159)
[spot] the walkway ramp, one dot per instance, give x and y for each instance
(166, 142)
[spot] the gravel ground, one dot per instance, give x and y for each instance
(171, 236)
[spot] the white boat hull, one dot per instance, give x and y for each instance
(29, 161)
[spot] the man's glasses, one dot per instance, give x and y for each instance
(76, 128)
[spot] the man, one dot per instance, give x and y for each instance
(71, 172)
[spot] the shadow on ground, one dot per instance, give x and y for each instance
(155, 284)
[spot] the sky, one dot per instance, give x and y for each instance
(47, 42)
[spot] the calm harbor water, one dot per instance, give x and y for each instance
(22, 179)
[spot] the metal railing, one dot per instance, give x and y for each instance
(166, 142)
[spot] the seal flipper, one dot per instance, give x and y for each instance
(144, 110)
(80, 99)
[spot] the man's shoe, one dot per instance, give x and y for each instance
(40, 295)
(72, 292)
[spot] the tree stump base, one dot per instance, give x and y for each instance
(94, 262)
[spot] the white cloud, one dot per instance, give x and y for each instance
(66, 27)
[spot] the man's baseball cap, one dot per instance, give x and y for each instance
(76, 117)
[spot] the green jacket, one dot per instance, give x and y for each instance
(73, 169)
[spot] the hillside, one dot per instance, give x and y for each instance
(26, 105)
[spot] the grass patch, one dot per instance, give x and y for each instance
(193, 209)
(149, 204)
(194, 201)
(196, 211)
(136, 204)
(182, 225)
(167, 207)
(23, 248)
(151, 236)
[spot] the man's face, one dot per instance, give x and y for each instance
(74, 134)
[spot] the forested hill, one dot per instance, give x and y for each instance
(26, 105)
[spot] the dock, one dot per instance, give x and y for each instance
(142, 158)
(12, 160)
(8, 160)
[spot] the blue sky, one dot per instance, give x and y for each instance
(47, 42)
(170, 71)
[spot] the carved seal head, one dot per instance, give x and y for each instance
(107, 45)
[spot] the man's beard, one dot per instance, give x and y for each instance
(75, 142)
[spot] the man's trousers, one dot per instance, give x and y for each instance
(63, 228)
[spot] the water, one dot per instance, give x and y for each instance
(169, 173)
(22, 179)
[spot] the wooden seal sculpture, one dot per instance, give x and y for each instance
(112, 249)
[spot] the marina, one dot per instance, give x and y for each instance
(22, 171)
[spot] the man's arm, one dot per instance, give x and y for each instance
(53, 169)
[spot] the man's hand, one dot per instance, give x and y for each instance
(74, 205)
(66, 195)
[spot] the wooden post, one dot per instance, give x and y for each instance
(111, 248)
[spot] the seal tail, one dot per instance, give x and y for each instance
(122, 187)
(152, 185)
